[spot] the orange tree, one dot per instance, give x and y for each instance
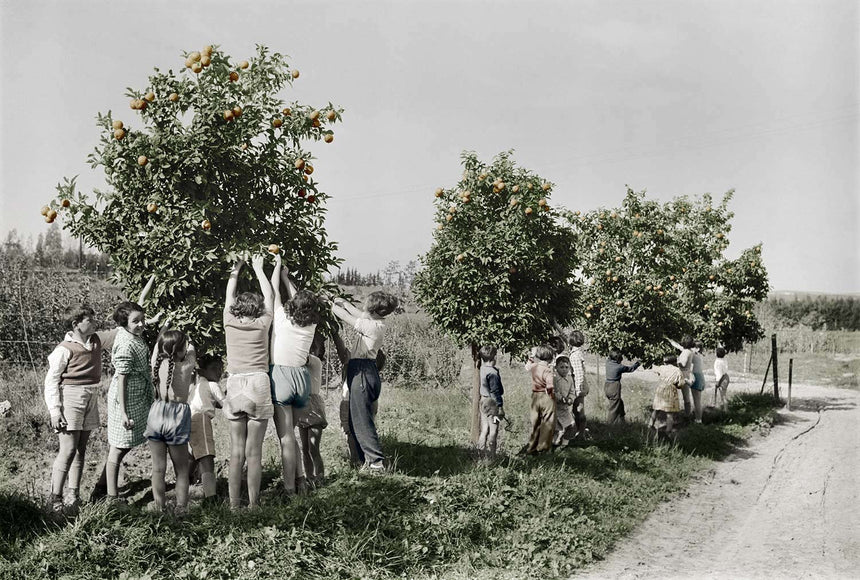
(650, 270)
(209, 163)
(498, 268)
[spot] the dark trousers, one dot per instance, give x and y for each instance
(364, 388)
(615, 413)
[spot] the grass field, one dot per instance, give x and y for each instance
(444, 511)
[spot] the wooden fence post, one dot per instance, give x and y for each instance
(775, 371)
(790, 366)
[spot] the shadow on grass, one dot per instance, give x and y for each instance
(421, 460)
(21, 520)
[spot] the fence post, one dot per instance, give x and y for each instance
(775, 372)
(790, 367)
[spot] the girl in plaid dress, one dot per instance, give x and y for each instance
(667, 404)
(130, 393)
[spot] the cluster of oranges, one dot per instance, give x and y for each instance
(197, 61)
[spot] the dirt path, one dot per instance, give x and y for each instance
(788, 506)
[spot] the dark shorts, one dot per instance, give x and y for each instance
(291, 386)
(169, 422)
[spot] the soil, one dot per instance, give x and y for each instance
(785, 506)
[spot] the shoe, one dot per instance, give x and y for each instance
(56, 503)
(73, 499)
(377, 468)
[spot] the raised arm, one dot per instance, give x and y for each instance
(341, 309)
(144, 294)
(340, 347)
(265, 287)
(276, 282)
(673, 343)
(232, 284)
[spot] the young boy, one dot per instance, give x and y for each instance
(612, 388)
(492, 390)
(721, 374)
(564, 397)
(311, 419)
(542, 413)
(580, 385)
(204, 398)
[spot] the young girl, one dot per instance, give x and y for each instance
(542, 413)
(685, 362)
(362, 372)
(72, 393)
(612, 388)
(204, 398)
(130, 393)
(311, 419)
(666, 405)
(248, 403)
(292, 335)
(564, 397)
(168, 425)
(721, 374)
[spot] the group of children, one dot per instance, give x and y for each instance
(168, 397)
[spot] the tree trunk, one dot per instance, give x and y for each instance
(476, 395)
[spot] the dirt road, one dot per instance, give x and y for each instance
(787, 506)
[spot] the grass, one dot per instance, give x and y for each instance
(445, 511)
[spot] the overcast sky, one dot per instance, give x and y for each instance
(675, 97)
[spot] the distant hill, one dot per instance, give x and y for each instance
(795, 295)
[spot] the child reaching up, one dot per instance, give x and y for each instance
(612, 389)
(204, 398)
(311, 419)
(168, 426)
(580, 385)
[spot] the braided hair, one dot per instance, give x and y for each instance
(169, 344)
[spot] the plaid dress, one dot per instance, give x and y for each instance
(131, 358)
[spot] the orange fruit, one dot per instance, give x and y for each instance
(309, 168)
(316, 123)
(501, 185)
(188, 62)
(328, 137)
(119, 134)
(515, 188)
(206, 225)
(274, 249)
(439, 191)
(512, 269)
(287, 112)
(542, 201)
(300, 163)
(301, 192)
(439, 227)
(142, 160)
(207, 50)
(331, 115)
(45, 209)
(152, 207)
(719, 236)
(173, 97)
(194, 56)
(514, 201)
(65, 203)
(228, 115)
(237, 111)
(52, 214)
(277, 123)
(116, 125)
(295, 73)
(150, 96)
(305, 178)
(244, 64)
(196, 68)
(234, 76)
(545, 186)
(205, 60)
(613, 215)
(460, 257)
(449, 218)
(311, 198)
(528, 211)
(243, 146)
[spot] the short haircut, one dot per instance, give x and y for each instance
(123, 311)
(209, 361)
(576, 338)
(670, 359)
(721, 352)
(488, 353)
(382, 303)
(74, 315)
(544, 352)
(698, 344)
(562, 360)
(687, 341)
(248, 304)
(615, 356)
(557, 343)
(304, 308)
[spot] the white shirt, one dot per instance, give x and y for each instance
(290, 343)
(721, 367)
(370, 334)
(58, 360)
(204, 394)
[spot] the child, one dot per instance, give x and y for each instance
(292, 336)
(721, 374)
(204, 398)
(362, 372)
(685, 361)
(311, 419)
(492, 411)
(564, 397)
(580, 386)
(72, 393)
(168, 425)
(698, 384)
(248, 402)
(130, 393)
(666, 405)
(558, 346)
(612, 388)
(542, 413)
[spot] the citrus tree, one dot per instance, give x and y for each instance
(498, 270)
(208, 163)
(651, 270)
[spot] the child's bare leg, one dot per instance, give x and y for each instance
(238, 438)
(207, 474)
(158, 450)
(485, 431)
(181, 466)
(286, 435)
(68, 446)
(77, 469)
(254, 456)
(115, 457)
(492, 434)
(307, 459)
(314, 440)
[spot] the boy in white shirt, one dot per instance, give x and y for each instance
(204, 398)
(721, 375)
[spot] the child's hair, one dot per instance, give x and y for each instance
(614, 356)
(670, 359)
(123, 311)
(318, 346)
(74, 315)
(169, 344)
(557, 343)
(248, 304)
(687, 341)
(209, 362)
(721, 352)
(562, 360)
(544, 352)
(488, 353)
(576, 338)
(304, 308)
(698, 344)
(381, 303)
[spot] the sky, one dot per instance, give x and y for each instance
(675, 97)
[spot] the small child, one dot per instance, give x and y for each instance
(685, 362)
(72, 394)
(362, 372)
(564, 397)
(698, 385)
(580, 385)
(311, 419)
(542, 411)
(612, 388)
(168, 425)
(666, 405)
(721, 374)
(204, 398)
(492, 411)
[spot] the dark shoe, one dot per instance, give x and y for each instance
(98, 494)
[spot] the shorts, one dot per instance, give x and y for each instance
(202, 436)
(291, 386)
(312, 414)
(169, 422)
(489, 407)
(81, 406)
(698, 382)
(248, 396)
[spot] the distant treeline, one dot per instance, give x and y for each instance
(352, 277)
(816, 312)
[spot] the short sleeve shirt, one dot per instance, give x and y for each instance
(290, 342)
(370, 333)
(247, 343)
